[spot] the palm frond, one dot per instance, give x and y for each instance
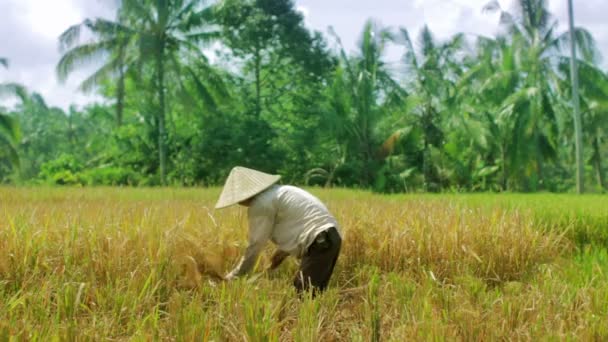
(107, 29)
(190, 17)
(510, 23)
(463, 86)
(80, 56)
(13, 89)
(585, 44)
(518, 100)
(349, 68)
(10, 148)
(594, 82)
(214, 81)
(202, 90)
(138, 11)
(204, 38)
(497, 81)
(409, 57)
(37, 100)
(492, 6)
(10, 127)
(535, 14)
(427, 41)
(455, 43)
(106, 71)
(70, 37)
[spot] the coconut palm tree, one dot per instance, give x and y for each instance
(9, 136)
(156, 36)
(360, 85)
(580, 170)
(533, 32)
(594, 108)
(110, 43)
(10, 133)
(431, 71)
(491, 76)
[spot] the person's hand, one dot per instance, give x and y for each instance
(277, 258)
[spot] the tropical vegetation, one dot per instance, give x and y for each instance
(192, 89)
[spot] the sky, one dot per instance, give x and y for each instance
(29, 30)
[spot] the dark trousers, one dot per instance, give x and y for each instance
(318, 263)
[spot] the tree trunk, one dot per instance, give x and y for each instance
(540, 167)
(367, 160)
(538, 184)
(578, 130)
(258, 83)
(426, 167)
(71, 131)
(162, 148)
(120, 88)
(597, 160)
(120, 96)
(503, 156)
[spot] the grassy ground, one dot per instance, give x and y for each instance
(109, 263)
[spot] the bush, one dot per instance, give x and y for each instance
(64, 170)
(111, 176)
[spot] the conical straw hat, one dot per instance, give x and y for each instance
(243, 183)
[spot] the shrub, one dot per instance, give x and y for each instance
(62, 171)
(111, 175)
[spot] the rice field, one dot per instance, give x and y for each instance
(138, 264)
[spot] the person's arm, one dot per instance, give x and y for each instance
(260, 229)
(277, 259)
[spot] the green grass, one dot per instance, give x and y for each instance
(111, 263)
(583, 218)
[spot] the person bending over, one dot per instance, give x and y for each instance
(297, 222)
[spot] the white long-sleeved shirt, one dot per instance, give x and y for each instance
(287, 215)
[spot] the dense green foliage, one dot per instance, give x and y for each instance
(9, 127)
(192, 90)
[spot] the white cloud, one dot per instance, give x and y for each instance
(304, 10)
(30, 31)
(49, 18)
(305, 13)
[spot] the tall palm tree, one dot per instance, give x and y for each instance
(491, 77)
(431, 72)
(358, 91)
(533, 32)
(165, 32)
(594, 106)
(110, 43)
(580, 171)
(595, 92)
(10, 132)
(158, 35)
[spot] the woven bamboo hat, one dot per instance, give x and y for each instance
(243, 183)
